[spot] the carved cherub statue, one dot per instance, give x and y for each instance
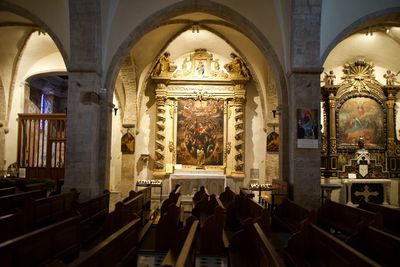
(390, 77)
(329, 78)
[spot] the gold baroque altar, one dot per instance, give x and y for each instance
(200, 113)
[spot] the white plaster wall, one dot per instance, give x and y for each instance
(115, 164)
(145, 137)
(255, 143)
(31, 62)
(348, 12)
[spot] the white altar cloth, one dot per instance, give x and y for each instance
(191, 182)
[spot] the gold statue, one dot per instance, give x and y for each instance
(236, 67)
(390, 77)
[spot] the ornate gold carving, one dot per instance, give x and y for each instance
(329, 79)
(332, 147)
(391, 147)
(236, 68)
(200, 65)
(239, 137)
(390, 77)
(160, 135)
(164, 67)
(390, 103)
(359, 80)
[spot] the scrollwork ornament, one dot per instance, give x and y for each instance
(332, 147)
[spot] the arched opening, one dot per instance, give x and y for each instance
(359, 101)
(33, 70)
(135, 92)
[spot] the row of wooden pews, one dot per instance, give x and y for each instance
(53, 230)
(338, 235)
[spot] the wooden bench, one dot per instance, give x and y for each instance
(390, 216)
(7, 191)
(211, 231)
(185, 256)
(345, 220)
(251, 247)
(44, 211)
(380, 246)
(168, 226)
(119, 249)
(312, 246)
(124, 213)
(10, 226)
(56, 241)
(10, 203)
(289, 216)
(93, 213)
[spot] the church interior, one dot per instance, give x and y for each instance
(199, 133)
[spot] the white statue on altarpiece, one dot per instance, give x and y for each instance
(363, 158)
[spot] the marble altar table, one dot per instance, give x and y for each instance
(374, 190)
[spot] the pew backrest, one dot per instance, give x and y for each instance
(315, 247)
(56, 241)
(7, 191)
(10, 203)
(118, 248)
(390, 216)
(266, 251)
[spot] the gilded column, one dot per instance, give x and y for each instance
(390, 102)
(332, 125)
(239, 130)
(159, 165)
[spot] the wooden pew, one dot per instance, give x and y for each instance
(390, 217)
(380, 246)
(56, 241)
(44, 211)
(32, 186)
(10, 226)
(93, 213)
(7, 191)
(124, 213)
(312, 246)
(10, 203)
(289, 216)
(119, 249)
(212, 229)
(345, 220)
(168, 226)
(250, 247)
(185, 255)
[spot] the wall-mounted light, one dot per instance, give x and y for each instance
(115, 111)
(195, 28)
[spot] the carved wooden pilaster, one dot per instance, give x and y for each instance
(239, 135)
(160, 128)
(391, 146)
(332, 125)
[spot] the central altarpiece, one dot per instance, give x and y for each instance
(200, 118)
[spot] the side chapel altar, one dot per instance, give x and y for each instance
(200, 118)
(359, 145)
(190, 182)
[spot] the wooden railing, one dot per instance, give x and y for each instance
(42, 144)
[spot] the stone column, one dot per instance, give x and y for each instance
(304, 92)
(89, 114)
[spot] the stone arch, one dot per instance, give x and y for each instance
(243, 25)
(14, 8)
(375, 17)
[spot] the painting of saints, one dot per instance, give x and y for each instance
(200, 132)
(361, 117)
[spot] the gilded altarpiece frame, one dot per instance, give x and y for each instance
(358, 107)
(200, 114)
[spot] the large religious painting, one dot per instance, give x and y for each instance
(200, 132)
(361, 117)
